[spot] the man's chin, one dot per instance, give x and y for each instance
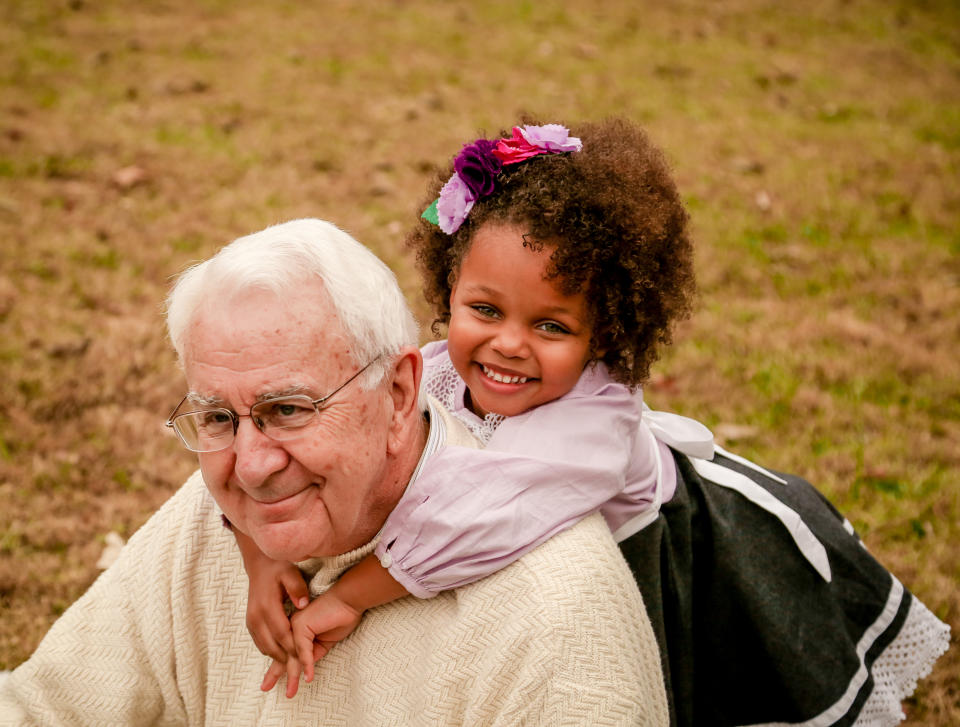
(276, 541)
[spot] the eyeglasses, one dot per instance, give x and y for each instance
(281, 418)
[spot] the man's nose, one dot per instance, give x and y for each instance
(510, 341)
(256, 455)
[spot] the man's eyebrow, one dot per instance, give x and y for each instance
(200, 400)
(292, 390)
(215, 401)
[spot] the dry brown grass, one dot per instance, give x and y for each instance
(817, 146)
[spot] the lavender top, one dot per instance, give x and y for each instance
(471, 512)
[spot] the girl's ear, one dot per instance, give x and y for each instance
(600, 351)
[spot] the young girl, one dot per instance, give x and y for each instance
(559, 265)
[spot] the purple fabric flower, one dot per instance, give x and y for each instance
(552, 137)
(478, 167)
(456, 201)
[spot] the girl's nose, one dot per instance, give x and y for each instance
(510, 342)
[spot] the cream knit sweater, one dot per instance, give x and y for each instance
(558, 638)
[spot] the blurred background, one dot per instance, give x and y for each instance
(816, 146)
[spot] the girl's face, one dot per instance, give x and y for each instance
(514, 338)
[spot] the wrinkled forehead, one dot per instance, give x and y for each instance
(267, 339)
(301, 309)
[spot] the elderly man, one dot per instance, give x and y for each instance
(300, 358)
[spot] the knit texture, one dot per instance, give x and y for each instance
(557, 638)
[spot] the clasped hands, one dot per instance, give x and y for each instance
(296, 640)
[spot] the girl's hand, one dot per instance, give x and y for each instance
(319, 626)
(271, 582)
(313, 631)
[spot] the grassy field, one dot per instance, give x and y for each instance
(817, 147)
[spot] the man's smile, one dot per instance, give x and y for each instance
(273, 507)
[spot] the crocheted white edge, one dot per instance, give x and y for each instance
(442, 385)
(908, 658)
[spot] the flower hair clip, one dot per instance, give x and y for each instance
(478, 165)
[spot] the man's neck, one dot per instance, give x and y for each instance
(408, 461)
(397, 474)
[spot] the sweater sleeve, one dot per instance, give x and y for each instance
(471, 512)
(110, 658)
(90, 669)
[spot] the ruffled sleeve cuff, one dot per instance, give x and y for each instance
(408, 581)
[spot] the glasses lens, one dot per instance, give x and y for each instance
(283, 418)
(205, 431)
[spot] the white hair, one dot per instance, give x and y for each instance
(363, 291)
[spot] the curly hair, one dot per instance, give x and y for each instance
(618, 230)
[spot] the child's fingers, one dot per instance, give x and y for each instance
(281, 634)
(293, 677)
(265, 637)
(276, 670)
(265, 643)
(272, 676)
(268, 625)
(295, 587)
(304, 642)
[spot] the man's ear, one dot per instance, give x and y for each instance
(404, 393)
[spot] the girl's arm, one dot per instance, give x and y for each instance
(271, 582)
(472, 512)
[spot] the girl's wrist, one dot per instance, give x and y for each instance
(366, 585)
(350, 597)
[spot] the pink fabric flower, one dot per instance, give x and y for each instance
(531, 141)
(454, 204)
(551, 137)
(515, 149)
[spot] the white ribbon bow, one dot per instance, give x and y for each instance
(695, 440)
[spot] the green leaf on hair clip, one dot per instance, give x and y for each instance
(430, 213)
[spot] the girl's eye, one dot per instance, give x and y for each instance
(487, 311)
(553, 327)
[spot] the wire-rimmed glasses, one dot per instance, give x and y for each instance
(281, 418)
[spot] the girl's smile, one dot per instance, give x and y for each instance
(514, 337)
(503, 378)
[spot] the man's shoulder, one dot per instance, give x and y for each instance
(583, 551)
(455, 432)
(571, 607)
(578, 568)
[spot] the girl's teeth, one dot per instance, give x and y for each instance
(503, 379)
